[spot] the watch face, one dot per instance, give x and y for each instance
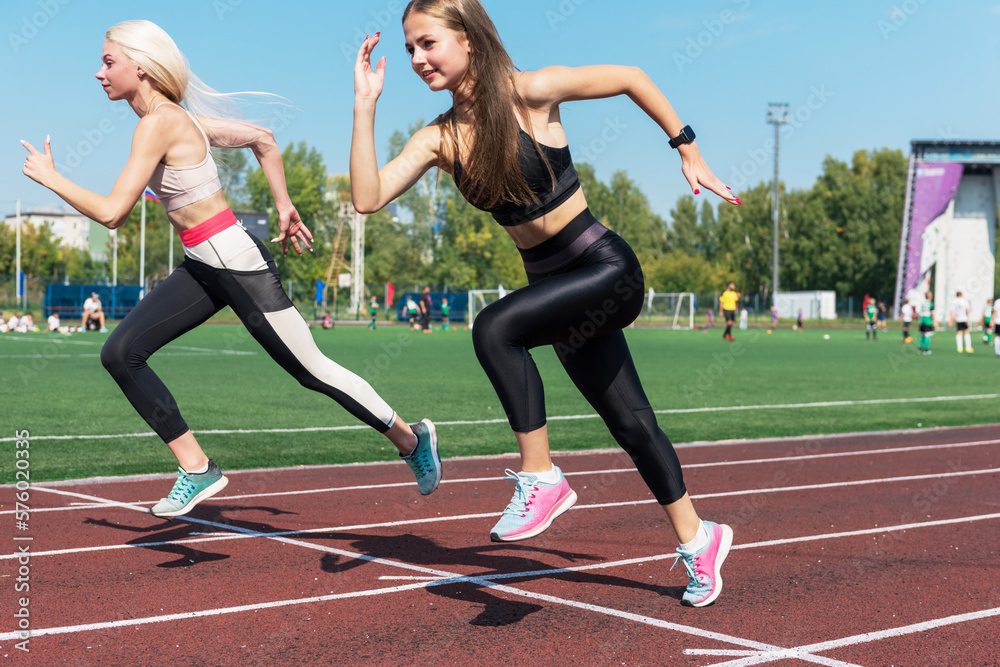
(686, 136)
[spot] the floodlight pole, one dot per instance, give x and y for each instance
(777, 115)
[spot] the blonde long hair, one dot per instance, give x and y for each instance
(492, 170)
(151, 48)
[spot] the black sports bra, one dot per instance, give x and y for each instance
(537, 175)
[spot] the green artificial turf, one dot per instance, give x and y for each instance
(54, 385)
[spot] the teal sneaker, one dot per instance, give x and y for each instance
(424, 460)
(189, 490)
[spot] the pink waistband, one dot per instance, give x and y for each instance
(206, 230)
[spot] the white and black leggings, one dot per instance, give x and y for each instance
(231, 268)
(585, 286)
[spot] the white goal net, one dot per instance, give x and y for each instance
(671, 309)
(665, 309)
(479, 299)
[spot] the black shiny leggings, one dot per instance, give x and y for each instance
(580, 308)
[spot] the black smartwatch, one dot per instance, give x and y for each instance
(685, 137)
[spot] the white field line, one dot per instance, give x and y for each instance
(802, 653)
(57, 341)
(460, 517)
(95, 356)
(474, 422)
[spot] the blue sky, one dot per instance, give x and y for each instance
(856, 74)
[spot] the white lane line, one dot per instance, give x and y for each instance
(800, 652)
(463, 517)
(446, 578)
(677, 411)
(365, 487)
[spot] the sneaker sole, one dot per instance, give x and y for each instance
(438, 472)
(204, 494)
(727, 543)
(563, 505)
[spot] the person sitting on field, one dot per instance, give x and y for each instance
(27, 323)
(92, 310)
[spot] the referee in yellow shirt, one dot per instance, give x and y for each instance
(727, 303)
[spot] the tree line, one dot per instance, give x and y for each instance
(841, 234)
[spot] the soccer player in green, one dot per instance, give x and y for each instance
(926, 323)
(871, 321)
(373, 311)
(445, 314)
(987, 320)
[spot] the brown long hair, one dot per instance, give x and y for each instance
(492, 170)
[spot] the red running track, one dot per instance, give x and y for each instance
(874, 549)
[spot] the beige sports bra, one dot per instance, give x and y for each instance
(180, 186)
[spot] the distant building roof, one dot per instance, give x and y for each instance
(58, 209)
(976, 153)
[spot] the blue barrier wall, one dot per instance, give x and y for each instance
(67, 300)
(458, 302)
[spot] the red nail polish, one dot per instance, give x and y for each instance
(697, 192)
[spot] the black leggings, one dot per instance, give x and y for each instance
(587, 288)
(242, 275)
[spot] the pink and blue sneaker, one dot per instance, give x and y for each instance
(533, 508)
(704, 567)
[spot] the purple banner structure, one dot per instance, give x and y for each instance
(934, 187)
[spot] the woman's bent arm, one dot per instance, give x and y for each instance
(372, 188)
(149, 145)
(550, 86)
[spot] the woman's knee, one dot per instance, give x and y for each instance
(118, 354)
(493, 328)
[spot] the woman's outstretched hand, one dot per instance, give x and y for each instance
(368, 81)
(698, 174)
(39, 167)
(292, 229)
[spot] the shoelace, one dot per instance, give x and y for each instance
(690, 564)
(420, 461)
(519, 504)
(182, 487)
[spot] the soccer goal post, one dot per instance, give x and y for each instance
(479, 299)
(672, 309)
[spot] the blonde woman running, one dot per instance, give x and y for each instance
(224, 264)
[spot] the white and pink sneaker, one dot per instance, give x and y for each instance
(533, 508)
(704, 567)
